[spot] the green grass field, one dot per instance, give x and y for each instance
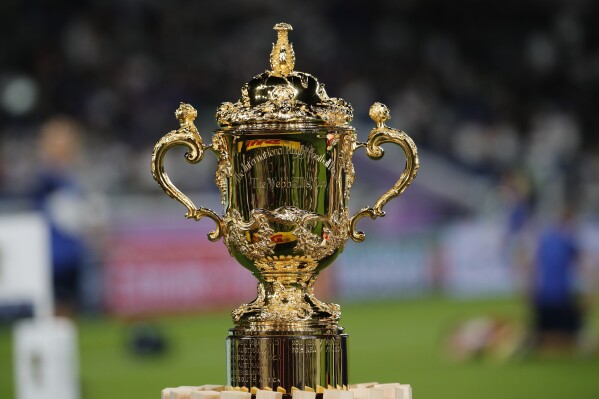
(399, 341)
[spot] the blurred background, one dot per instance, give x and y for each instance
(482, 279)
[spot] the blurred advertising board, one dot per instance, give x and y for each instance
(168, 266)
(25, 270)
(160, 270)
(477, 257)
(385, 267)
(465, 259)
(157, 269)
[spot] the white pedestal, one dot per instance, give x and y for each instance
(46, 359)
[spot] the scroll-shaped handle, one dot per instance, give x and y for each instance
(187, 135)
(379, 135)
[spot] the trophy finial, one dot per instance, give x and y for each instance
(379, 113)
(186, 114)
(282, 57)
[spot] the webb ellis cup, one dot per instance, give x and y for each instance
(285, 172)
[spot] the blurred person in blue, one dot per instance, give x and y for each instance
(58, 195)
(557, 311)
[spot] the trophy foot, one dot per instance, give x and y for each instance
(247, 310)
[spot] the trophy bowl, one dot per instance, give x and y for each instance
(285, 173)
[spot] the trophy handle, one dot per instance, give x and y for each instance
(379, 135)
(187, 135)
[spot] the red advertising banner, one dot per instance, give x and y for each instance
(159, 271)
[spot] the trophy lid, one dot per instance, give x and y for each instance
(283, 95)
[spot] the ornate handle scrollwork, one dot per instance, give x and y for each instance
(379, 135)
(188, 136)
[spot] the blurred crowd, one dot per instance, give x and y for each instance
(495, 89)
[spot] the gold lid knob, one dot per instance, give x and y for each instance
(186, 114)
(282, 57)
(283, 95)
(379, 113)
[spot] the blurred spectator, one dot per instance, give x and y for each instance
(59, 196)
(122, 67)
(557, 311)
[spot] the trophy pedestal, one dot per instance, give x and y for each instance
(369, 390)
(287, 361)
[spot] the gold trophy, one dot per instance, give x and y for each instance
(285, 172)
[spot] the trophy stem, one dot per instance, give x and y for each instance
(286, 303)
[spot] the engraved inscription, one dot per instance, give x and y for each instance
(266, 360)
(250, 368)
(304, 346)
(294, 182)
(296, 152)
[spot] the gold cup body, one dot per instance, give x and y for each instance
(286, 217)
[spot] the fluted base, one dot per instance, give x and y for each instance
(272, 361)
